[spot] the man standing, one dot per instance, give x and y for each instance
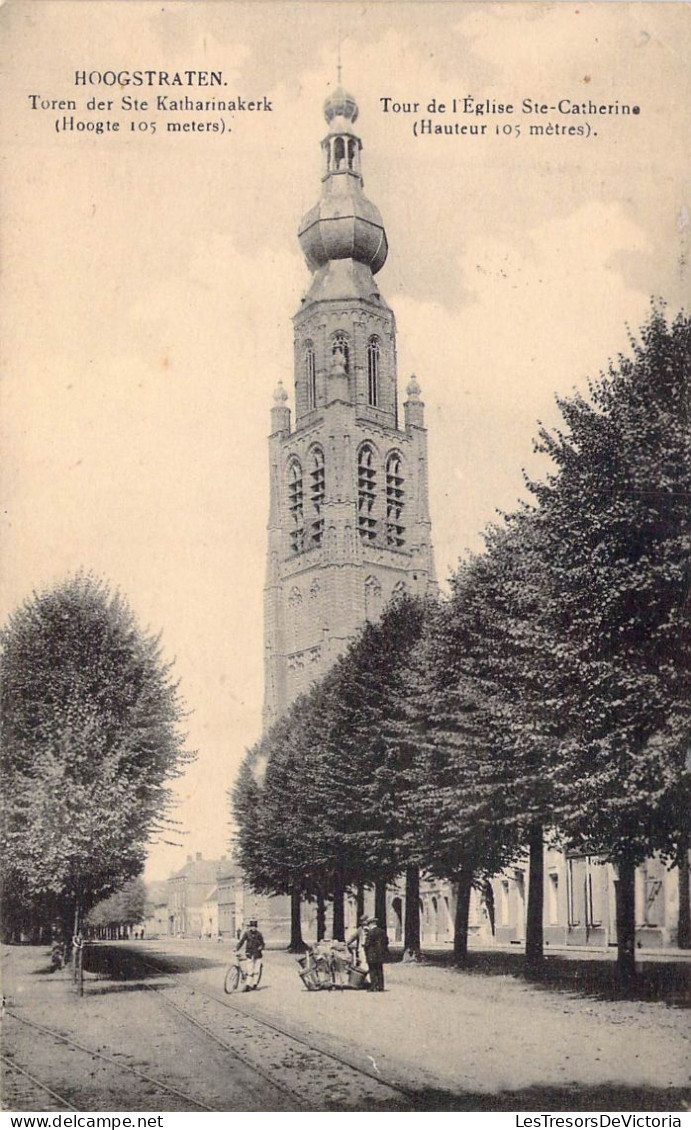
(376, 945)
(253, 941)
(356, 941)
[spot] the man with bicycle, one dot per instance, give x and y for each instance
(253, 942)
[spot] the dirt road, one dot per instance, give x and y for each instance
(436, 1040)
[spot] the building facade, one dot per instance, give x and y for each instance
(188, 890)
(349, 522)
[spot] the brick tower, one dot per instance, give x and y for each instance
(349, 522)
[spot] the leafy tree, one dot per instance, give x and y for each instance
(364, 772)
(124, 908)
(314, 798)
(246, 800)
(292, 839)
(275, 844)
(479, 786)
(90, 739)
(615, 519)
(509, 605)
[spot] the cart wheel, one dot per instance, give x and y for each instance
(232, 979)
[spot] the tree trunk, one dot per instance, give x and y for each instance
(534, 951)
(339, 909)
(321, 914)
(411, 932)
(463, 888)
(296, 943)
(684, 926)
(360, 900)
(625, 887)
(380, 903)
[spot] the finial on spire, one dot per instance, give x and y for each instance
(413, 390)
(339, 67)
(340, 104)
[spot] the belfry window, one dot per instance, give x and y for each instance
(340, 350)
(366, 494)
(296, 507)
(339, 153)
(351, 153)
(310, 376)
(317, 493)
(373, 355)
(395, 530)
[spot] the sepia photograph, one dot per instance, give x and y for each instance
(345, 668)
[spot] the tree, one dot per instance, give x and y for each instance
(525, 671)
(366, 770)
(122, 909)
(91, 737)
(463, 717)
(277, 840)
(615, 517)
(314, 798)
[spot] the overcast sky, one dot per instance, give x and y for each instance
(148, 285)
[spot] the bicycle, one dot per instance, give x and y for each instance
(237, 976)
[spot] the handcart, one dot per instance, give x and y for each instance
(321, 971)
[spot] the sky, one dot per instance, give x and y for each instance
(148, 284)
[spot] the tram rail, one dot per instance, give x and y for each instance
(60, 1037)
(10, 1065)
(404, 1097)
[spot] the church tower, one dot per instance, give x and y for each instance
(349, 523)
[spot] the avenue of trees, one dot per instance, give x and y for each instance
(546, 700)
(90, 737)
(116, 915)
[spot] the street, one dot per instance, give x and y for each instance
(154, 1031)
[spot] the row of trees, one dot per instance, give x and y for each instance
(91, 737)
(117, 915)
(548, 697)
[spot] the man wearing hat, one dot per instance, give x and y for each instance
(376, 945)
(253, 941)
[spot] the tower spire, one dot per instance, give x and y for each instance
(349, 523)
(344, 225)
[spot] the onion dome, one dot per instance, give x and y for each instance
(344, 224)
(340, 104)
(344, 229)
(280, 394)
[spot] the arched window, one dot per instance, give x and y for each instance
(339, 349)
(351, 154)
(366, 494)
(373, 354)
(317, 492)
(310, 376)
(395, 530)
(296, 507)
(339, 153)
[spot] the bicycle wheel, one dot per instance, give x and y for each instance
(232, 979)
(259, 974)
